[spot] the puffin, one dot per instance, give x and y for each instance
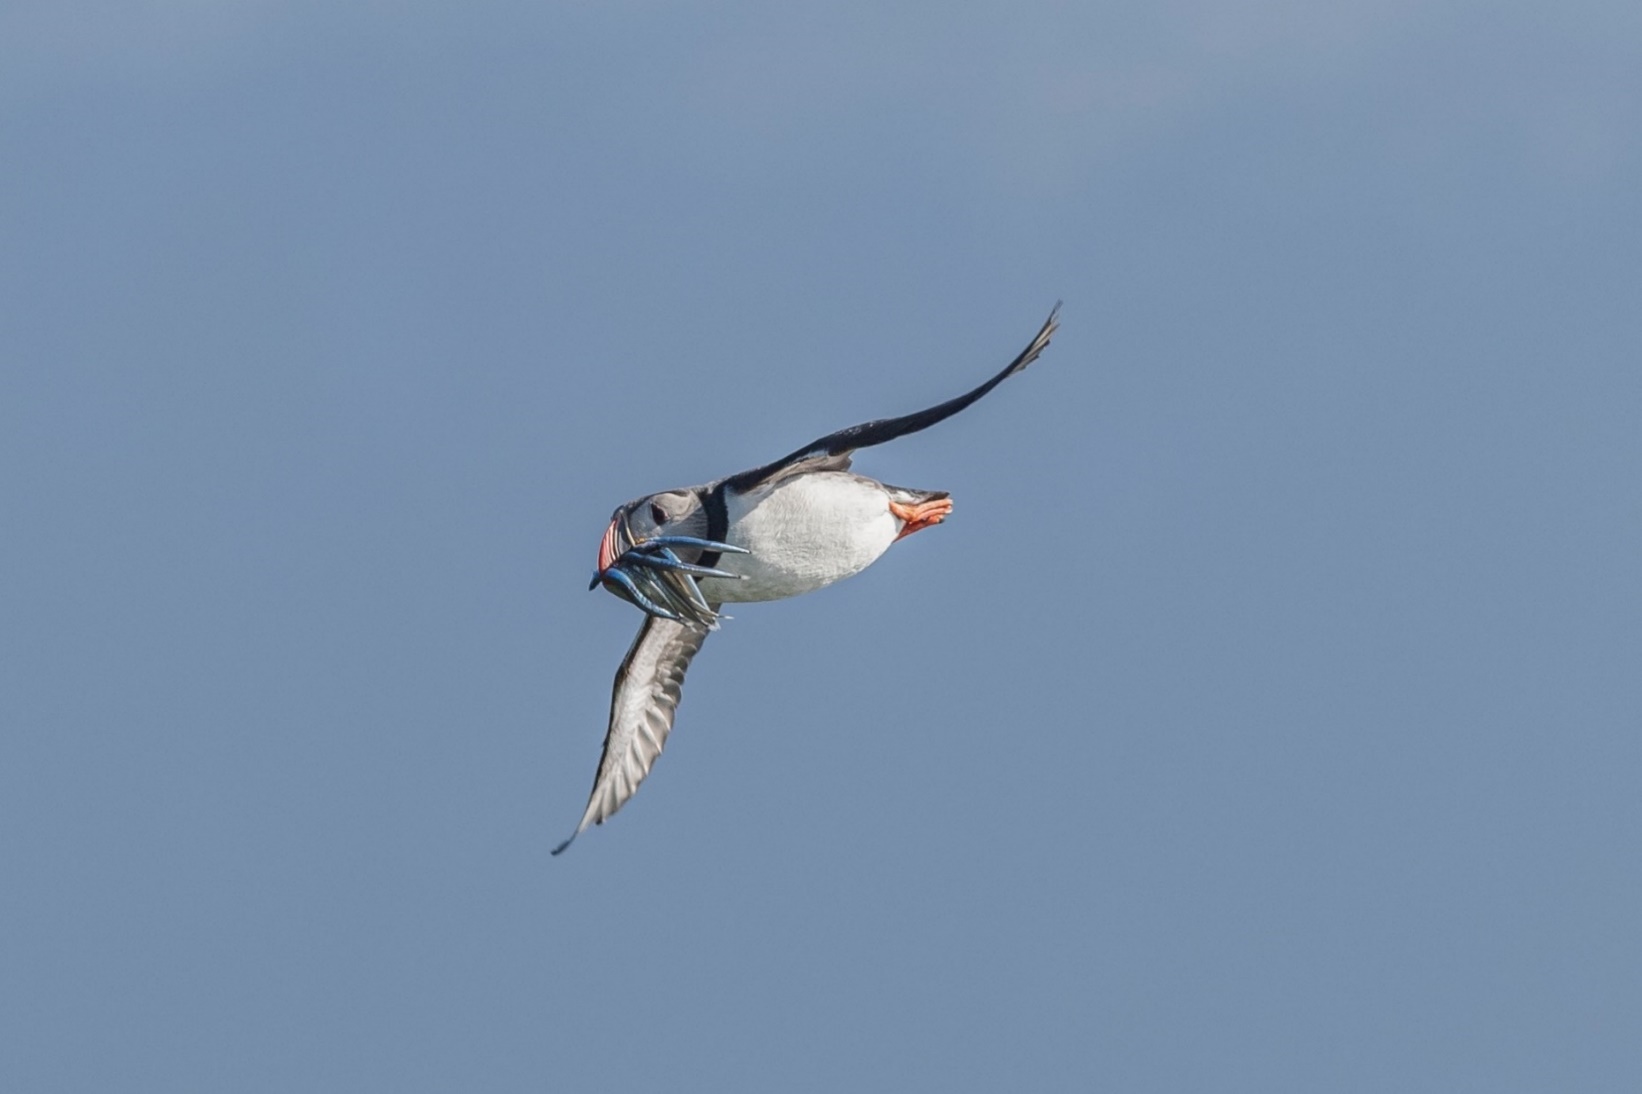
(780, 530)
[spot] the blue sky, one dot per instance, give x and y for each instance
(1265, 718)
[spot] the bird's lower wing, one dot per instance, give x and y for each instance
(642, 705)
(832, 451)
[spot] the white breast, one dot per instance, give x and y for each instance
(805, 532)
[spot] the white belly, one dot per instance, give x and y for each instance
(806, 532)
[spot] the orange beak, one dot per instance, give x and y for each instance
(607, 548)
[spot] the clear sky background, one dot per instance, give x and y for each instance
(1267, 718)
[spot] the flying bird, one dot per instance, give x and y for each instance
(785, 528)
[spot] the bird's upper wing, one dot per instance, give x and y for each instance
(642, 705)
(832, 451)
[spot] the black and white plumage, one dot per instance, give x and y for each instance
(776, 531)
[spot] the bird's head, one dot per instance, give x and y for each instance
(651, 552)
(669, 513)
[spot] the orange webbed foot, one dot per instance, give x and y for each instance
(920, 515)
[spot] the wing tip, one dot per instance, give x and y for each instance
(580, 828)
(1051, 324)
(1039, 343)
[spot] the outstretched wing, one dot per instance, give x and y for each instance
(642, 705)
(832, 451)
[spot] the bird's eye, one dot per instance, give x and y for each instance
(658, 514)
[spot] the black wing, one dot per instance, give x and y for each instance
(642, 705)
(833, 450)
